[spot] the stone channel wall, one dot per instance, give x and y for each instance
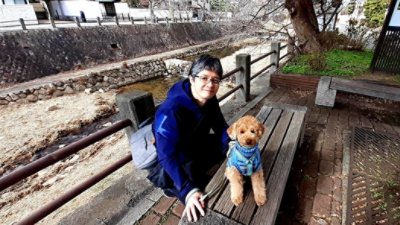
(106, 79)
(27, 55)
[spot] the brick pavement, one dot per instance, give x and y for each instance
(314, 191)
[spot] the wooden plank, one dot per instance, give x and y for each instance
(287, 107)
(224, 204)
(211, 217)
(364, 88)
(250, 105)
(277, 127)
(277, 181)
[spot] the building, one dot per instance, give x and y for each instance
(13, 10)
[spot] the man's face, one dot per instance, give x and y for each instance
(204, 85)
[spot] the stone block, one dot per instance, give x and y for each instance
(151, 219)
(178, 210)
(324, 185)
(172, 220)
(163, 205)
(325, 95)
(326, 167)
(322, 205)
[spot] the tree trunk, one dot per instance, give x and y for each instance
(305, 24)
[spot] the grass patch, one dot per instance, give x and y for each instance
(338, 63)
(397, 79)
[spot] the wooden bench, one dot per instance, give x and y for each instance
(284, 133)
(328, 86)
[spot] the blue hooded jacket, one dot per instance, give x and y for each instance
(181, 130)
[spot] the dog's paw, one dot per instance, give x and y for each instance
(237, 199)
(260, 199)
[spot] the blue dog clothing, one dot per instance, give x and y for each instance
(246, 160)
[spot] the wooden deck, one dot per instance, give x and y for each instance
(313, 192)
(285, 126)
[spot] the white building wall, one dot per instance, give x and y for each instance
(10, 14)
(121, 8)
(67, 9)
(160, 13)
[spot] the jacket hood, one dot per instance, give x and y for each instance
(180, 93)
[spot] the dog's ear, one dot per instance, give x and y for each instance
(232, 131)
(261, 129)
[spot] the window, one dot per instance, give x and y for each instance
(14, 2)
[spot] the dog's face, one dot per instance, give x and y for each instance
(247, 131)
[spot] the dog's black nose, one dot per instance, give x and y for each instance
(248, 141)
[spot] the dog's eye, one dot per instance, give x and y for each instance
(252, 131)
(242, 131)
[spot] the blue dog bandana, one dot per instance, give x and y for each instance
(246, 160)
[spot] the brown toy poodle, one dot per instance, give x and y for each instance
(244, 159)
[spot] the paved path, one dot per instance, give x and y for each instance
(314, 191)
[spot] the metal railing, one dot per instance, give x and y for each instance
(90, 22)
(30, 169)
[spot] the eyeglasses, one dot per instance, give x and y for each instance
(205, 80)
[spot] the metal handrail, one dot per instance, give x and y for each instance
(261, 71)
(263, 56)
(284, 56)
(60, 154)
(230, 92)
(283, 46)
(72, 193)
(230, 73)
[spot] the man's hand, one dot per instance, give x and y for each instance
(193, 203)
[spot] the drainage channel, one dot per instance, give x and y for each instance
(374, 178)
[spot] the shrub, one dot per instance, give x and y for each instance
(375, 12)
(332, 39)
(317, 61)
(359, 36)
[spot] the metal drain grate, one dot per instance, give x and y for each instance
(374, 179)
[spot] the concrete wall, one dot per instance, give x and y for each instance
(105, 79)
(10, 15)
(37, 53)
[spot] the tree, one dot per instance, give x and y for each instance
(375, 12)
(305, 24)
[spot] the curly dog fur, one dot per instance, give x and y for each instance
(247, 131)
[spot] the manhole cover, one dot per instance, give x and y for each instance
(374, 179)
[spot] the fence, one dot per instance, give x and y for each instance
(125, 19)
(243, 62)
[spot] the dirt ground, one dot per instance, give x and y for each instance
(28, 128)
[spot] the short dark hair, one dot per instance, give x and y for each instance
(206, 62)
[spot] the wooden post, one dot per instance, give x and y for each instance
(145, 20)
(98, 21)
(22, 22)
(132, 20)
(116, 21)
(243, 77)
(136, 106)
(166, 19)
(275, 46)
(78, 23)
